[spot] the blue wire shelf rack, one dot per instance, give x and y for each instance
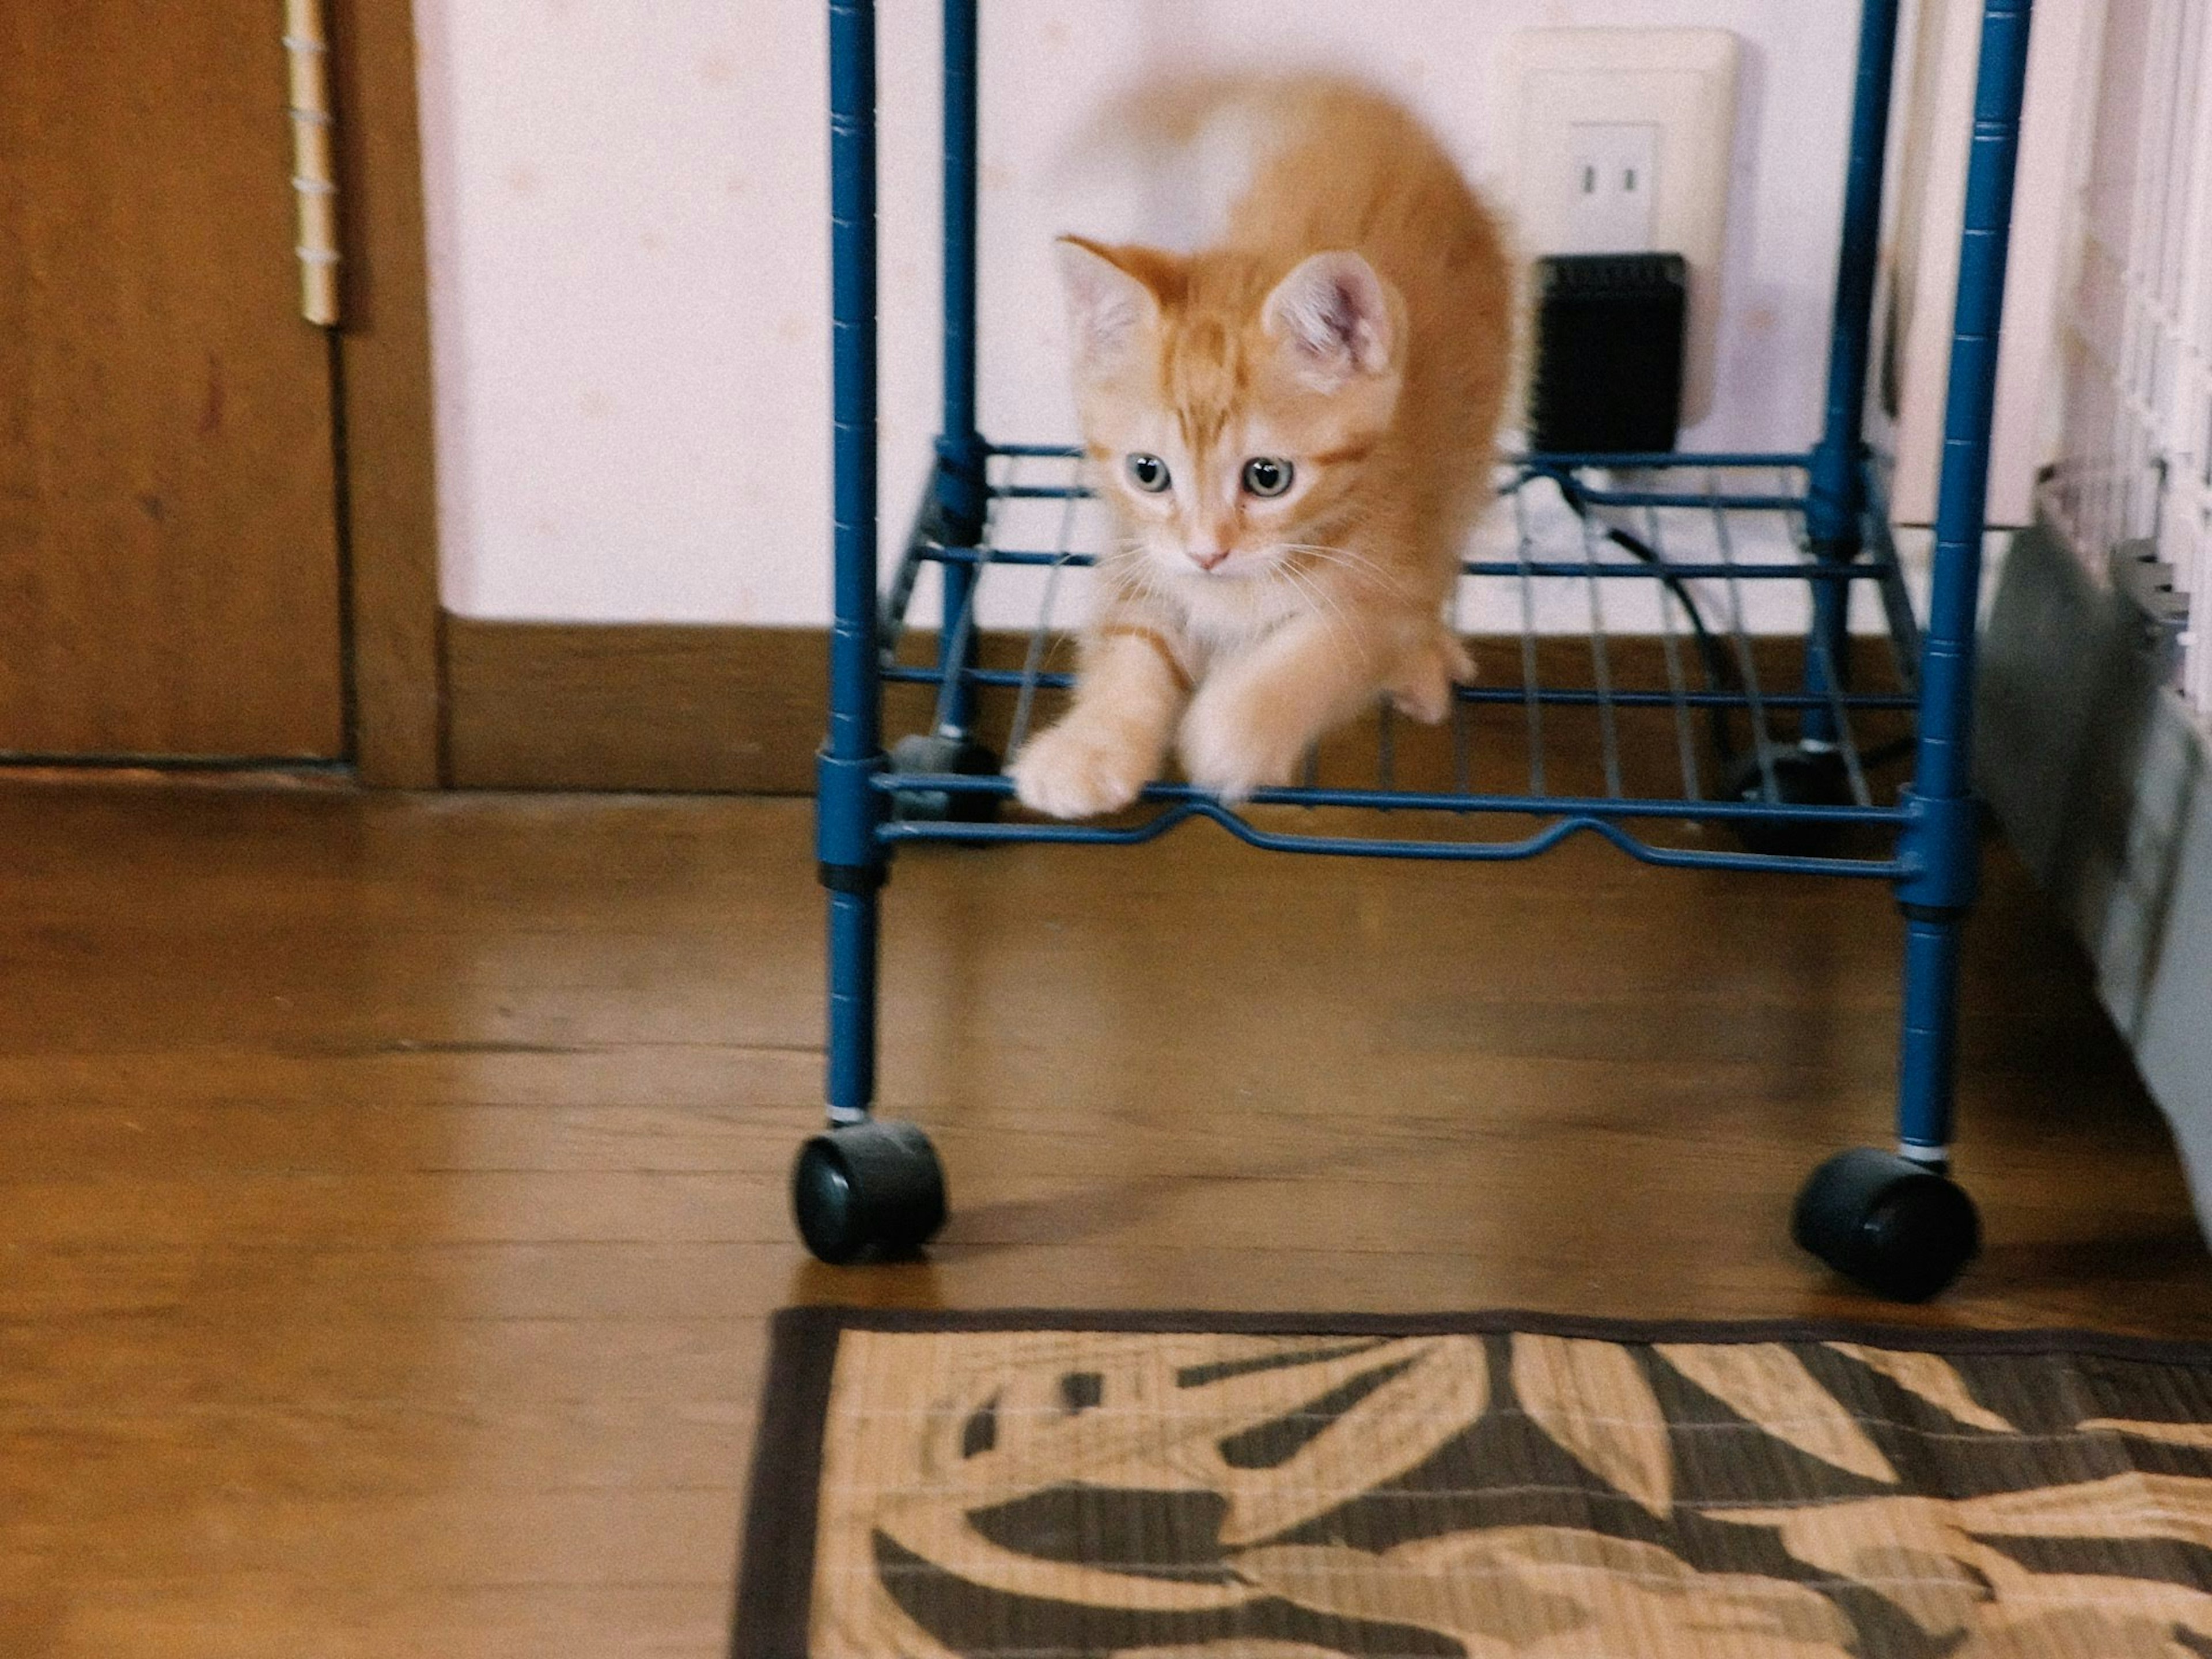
(1624, 690)
(1578, 728)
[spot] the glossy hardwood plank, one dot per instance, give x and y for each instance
(528, 1621)
(391, 1189)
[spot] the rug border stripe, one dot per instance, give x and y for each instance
(775, 1579)
(775, 1571)
(822, 1321)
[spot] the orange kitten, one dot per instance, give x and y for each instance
(1294, 431)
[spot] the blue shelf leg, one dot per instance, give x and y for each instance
(851, 1091)
(847, 805)
(960, 497)
(1939, 843)
(1838, 489)
(1929, 1050)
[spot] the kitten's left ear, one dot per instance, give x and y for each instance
(1109, 299)
(1337, 315)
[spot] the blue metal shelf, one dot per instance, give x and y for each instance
(1679, 547)
(1725, 501)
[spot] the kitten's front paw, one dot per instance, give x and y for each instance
(1078, 771)
(1231, 749)
(1423, 686)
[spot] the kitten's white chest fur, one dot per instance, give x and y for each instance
(1226, 615)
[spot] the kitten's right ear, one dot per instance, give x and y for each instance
(1107, 303)
(1337, 316)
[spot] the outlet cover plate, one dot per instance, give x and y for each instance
(1682, 81)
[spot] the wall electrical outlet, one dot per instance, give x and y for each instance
(1618, 141)
(1612, 168)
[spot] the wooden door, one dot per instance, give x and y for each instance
(169, 545)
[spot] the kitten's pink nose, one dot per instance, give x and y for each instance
(1206, 558)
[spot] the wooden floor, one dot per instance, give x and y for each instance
(392, 1189)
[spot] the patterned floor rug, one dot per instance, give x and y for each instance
(1060, 1485)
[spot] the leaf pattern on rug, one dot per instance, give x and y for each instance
(1442, 1390)
(865, 1623)
(1933, 1558)
(1148, 1433)
(2198, 1435)
(1550, 1592)
(1767, 1384)
(1592, 1399)
(2139, 1505)
(1284, 1497)
(1929, 1375)
(1237, 1647)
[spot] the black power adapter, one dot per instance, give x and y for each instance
(1607, 376)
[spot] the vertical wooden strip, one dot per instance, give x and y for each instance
(384, 354)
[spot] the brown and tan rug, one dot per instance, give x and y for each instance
(1029, 1485)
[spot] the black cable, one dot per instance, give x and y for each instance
(1720, 667)
(1720, 670)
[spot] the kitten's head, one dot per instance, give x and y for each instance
(1228, 419)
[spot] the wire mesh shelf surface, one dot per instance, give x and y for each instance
(1648, 669)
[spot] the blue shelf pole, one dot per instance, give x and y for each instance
(961, 498)
(847, 805)
(1939, 842)
(1838, 494)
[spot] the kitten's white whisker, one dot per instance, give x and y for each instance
(1347, 555)
(1327, 609)
(1359, 563)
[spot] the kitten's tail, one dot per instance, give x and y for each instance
(1191, 147)
(1180, 153)
(1168, 114)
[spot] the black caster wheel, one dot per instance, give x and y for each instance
(1802, 777)
(1897, 1227)
(874, 1190)
(935, 753)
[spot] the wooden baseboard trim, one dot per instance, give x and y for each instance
(627, 707)
(741, 710)
(610, 705)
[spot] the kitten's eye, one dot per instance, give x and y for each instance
(1264, 475)
(1149, 473)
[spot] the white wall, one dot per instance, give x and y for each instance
(629, 256)
(1936, 78)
